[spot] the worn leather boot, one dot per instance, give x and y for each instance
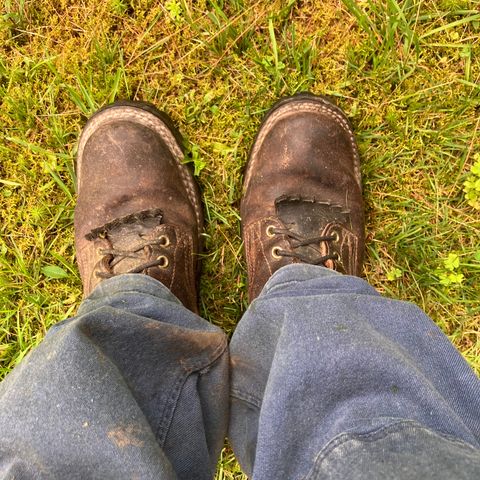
(138, 208)
(302, 200)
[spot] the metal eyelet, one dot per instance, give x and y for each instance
(336, 236)
(164, 261)
(270, 232)
(275, 253)
(338, 258)
(164, 241)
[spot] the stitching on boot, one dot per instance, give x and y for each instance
(188, 265)
(154, 123)
(250, 263)
(309, 106)
(174, 260)
(270, 271)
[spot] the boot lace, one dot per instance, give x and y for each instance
(116, 256)
(300, 241)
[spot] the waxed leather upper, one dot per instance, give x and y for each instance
(303, 175)
(130, 163)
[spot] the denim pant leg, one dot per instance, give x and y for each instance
(330, 380)
(135, 386)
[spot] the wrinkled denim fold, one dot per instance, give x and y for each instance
(328, 380)
(135, 386)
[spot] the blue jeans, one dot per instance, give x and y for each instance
(326, 380)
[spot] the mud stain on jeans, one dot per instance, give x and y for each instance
(126, 436)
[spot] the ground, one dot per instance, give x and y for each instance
(406, 73)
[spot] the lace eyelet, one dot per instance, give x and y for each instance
(270, 232)
(275, 253)
(164, 261)
(164, 241)
(337, 258)
(336, 237)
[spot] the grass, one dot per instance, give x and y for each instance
(407, 74)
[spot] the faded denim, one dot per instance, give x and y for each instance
(136, 386)
(329, 380)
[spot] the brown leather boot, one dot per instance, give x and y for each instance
(138, 208)
(302, 198)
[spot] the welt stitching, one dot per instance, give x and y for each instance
(323, 108)
(149, 120)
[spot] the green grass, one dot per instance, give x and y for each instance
(406, 72)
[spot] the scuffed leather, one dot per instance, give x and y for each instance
(129, 161)
(304, 164)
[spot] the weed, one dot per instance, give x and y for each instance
(174, 8)
(450, 275)
(471, 186)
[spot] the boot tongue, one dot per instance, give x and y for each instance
(130, 234)
(309, 218)
(132, 238)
